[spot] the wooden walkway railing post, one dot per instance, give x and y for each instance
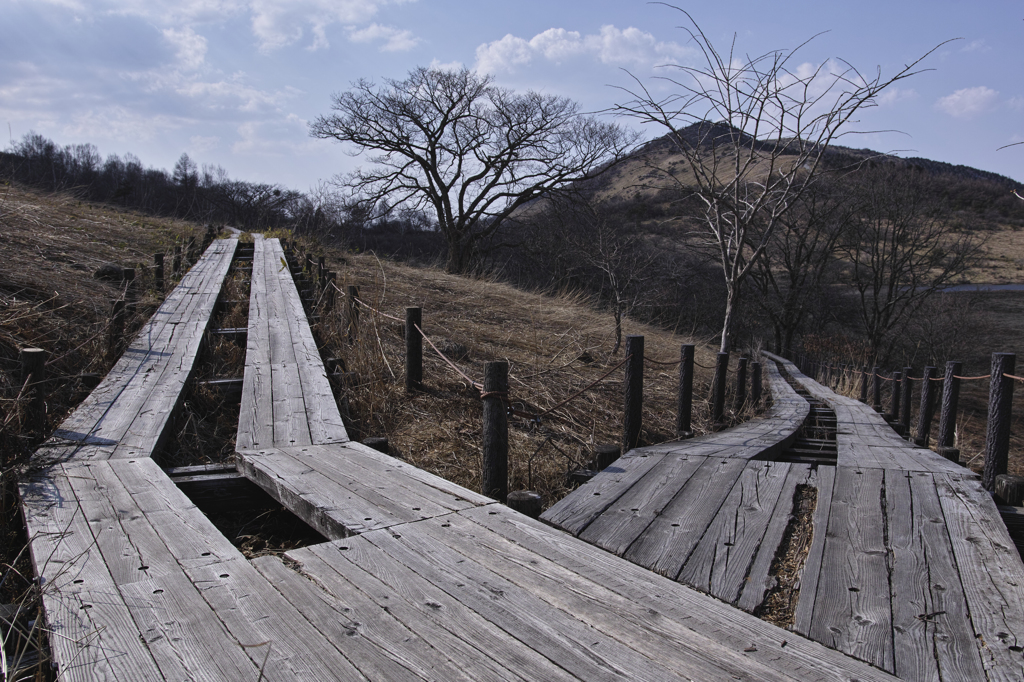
(947, 419)
(1000, 404)
(894, 404)
(718, 390)
(413, 349)
(755, 383)
(864, 384)
(634, 394)
(684, 407)
(876, 389)
(158, 272)
(908, 394)
(741, 384)
(33, 371)
(495, 460)
(927, 408)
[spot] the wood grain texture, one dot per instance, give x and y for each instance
(758, 640)
(933, 637)
(853, 607)
(991, 574)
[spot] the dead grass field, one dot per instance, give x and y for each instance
(556, 345)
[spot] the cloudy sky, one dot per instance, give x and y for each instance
(235, 82)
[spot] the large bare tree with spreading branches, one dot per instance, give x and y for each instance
(752, 133)
(468, 152)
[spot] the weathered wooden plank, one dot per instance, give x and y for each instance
(990, 571)
(632, 624)
(761, 641)
(852, 610)
(92, 633)
(575, 645)
(337, 504)
(483, 650)
(377, 643)
(757, 582)
(669, 539)
(932, 633)
(250, 609)
(719, 563)
(824, 481)
(620, 524)
(128, 412)
(575, 512)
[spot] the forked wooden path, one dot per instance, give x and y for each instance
(909, 566)
(421, 579)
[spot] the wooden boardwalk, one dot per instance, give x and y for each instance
(126, 415)
(432, 581)
(907, 566)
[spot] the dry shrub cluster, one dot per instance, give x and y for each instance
(556, 345)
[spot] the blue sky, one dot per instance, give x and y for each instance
(235, 82)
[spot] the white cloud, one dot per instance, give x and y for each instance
(628, 47)
(892, 95)
(968, 102)
(1016, 103)
(199, 144)
(395, 40)
(975, 46)
(190, 46)
(446, 66)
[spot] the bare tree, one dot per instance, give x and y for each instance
(901, 252)
(471, 153)
(791, 278)
(752, 132)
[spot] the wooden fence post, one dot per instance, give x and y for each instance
(894, 405)
(864, 384)
(634, 383)
(321, 271)
(908, 393)
(413, 349)
(876, 389)
(495, 394)
(116, 329)
(158, 272)
(352, 313)
(526, 502)
(329, 290)
(755, 383)
(927, 409)
(718, 390)
(741, 384)
(947, 419)
(605, 454)
(684, 407)
(33, 370)
(1000, 404)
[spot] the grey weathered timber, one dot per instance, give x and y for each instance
(633, 382)
(1000, 408)
(927, 409)
(349, 488)
(494, 478)
(127, 414)
(684, 406)
(286, 397)
(947, 418)
(852, 609)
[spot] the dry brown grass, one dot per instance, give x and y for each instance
(555, 346)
